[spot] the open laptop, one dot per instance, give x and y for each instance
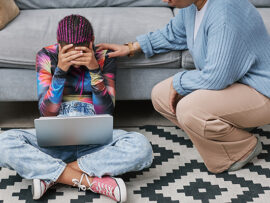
(77, 130)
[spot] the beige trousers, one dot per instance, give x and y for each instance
(215, 120)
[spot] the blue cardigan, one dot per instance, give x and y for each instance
(232, 45)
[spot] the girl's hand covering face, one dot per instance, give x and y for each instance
(87, 58)
(65, 57)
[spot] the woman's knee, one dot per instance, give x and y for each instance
(194, 117)
(190, 116)
(155, 98)
(160, 95)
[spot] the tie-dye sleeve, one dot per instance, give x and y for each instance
(49, 87)
(103, 86)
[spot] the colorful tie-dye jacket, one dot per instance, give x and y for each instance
(55, 86)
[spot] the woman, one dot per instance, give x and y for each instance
(230, 88)
(74, 80)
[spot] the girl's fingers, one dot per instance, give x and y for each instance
(86, 49)
(79, 63)
(70, 53)
(66, 47)
(91, 46)
(82, 59)
(86, 55)
(70, 58)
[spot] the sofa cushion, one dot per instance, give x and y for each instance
(131, 84)
(8, 11)
(261, 3)
(43, 4)
(187, 61)
(265, 13)
(35, 29)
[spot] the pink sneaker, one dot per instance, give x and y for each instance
(113, 188)
(39, 187)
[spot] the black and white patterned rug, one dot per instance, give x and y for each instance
(177, 175)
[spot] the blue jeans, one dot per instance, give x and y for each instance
(129, 151)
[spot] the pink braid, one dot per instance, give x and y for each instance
(80, 29)
(66, 29)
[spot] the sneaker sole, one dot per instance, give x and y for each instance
(36, 193)
(258, 149)
(122, 188)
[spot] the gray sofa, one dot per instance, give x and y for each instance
(114, 21)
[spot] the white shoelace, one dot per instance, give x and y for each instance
(79, 183)
(101, 187)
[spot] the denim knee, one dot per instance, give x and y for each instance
(142, 152)
(6, 139)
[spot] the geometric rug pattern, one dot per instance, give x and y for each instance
(176, 175)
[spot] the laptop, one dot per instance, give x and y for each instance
(74, 130)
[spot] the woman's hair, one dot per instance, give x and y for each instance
(76, 30)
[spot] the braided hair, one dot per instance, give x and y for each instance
(76, 30)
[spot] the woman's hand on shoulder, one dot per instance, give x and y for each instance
(117, 49)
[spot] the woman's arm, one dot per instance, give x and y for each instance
(228, 60)
(171, 37)
(50, 87)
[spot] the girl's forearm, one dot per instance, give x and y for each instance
(50, 102)
(102, 100)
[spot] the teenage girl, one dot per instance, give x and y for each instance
(73, 79)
